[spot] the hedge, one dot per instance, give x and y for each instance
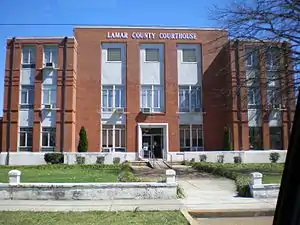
(238, 172)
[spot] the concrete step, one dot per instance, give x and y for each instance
(139, 163)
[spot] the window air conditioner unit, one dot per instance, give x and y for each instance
(49, 65)
(146, 110)
(119, 110)
(48, 106)
(276, 106)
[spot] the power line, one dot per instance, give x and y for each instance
(46, 24)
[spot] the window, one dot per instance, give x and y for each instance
(25, 139)
(254, 97)
(151, 55)
(114, 54)
(51, 54)
(276, 141)
(28, 57)
(113, 96)
(255, 138)
(273, 97)
(113, 136)
(27, 96)
(152, 97)
(189, 99)
(252, 57)
(48, 138)
(191, 137)
(273, 58)
(49, 95)
(252, 77)
(189, 55)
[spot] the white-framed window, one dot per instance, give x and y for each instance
(254, 97)
(25, 138)
(113, 96)
(51, 54)
(48, 140)
(273, 96)
(28, 56)
(252, 57)
(114, 137)
(189, 55)
(49, 95)
(27, 96)
(152, 55)
(191, 137)
(189, 98)
(114, 54)
(152, 96)
(272, 58)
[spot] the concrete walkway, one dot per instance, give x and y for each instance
(202, 192)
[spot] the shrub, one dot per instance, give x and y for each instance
(220, 158)
(180, 192)
(127, 176)
(274, 157)
(184, 162)
(237, 159)
(54, 158)
(80, 159)
(83, 141)
(192, 160)
(100, 160)
(116, 160)
(203, 158)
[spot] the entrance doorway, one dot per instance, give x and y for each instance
(152, 141)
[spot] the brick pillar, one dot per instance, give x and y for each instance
(36, 145)
(132, 94)
(171, 95)
(265, 112)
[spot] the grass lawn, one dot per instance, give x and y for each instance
(63, 173)
(93, 218)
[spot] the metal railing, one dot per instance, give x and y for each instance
(151, 158)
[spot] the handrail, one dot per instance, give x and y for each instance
(151, 157)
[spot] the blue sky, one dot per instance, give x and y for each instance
(194, 13)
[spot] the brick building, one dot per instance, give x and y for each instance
(139, 88)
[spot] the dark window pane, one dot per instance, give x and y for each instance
(45, 139)
(22, 139)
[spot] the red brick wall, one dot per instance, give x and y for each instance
(89, 83)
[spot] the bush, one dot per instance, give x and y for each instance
(100, 160)
(83, 141)
(203, 158)
(237, 159)
(116, 160)
(80, 159)
(127, 176)
(54, 158)
(220, 158)
(274, 157)
(192, 160)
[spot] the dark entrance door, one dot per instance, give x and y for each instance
(152, 140)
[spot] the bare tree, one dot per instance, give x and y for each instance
(270, 24)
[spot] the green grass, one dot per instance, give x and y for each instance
(64, 173)
(93, 218)
(272, 172)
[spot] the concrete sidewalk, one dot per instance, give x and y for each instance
(129, 205)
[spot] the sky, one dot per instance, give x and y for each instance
(191, 13)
